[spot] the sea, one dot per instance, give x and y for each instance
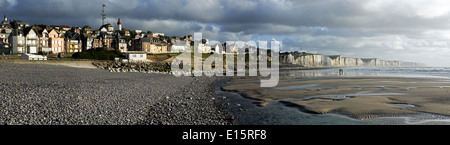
(276, 113)
(410, 72)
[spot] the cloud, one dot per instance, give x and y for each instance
(411, 30)
(4, 4)
(426, 9)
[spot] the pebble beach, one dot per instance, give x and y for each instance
(43, 94)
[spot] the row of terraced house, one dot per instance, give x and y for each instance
(21, 38)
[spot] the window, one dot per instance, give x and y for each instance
(59, 42)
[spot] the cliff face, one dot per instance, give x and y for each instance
(335, 61)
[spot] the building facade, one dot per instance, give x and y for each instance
(32, 41)
(56, 42)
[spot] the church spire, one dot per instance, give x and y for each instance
(5, 19)
(120, 24)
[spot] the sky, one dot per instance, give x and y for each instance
(406, 30)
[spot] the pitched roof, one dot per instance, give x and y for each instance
(119, 22)
(87, 27)
(28, 30)
(65, 26)
(72, 36)
(145, 39)
(107, 25)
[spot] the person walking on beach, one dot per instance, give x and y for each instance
(341, 71)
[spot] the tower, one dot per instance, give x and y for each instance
(120, 25)
(103, 14)
(4, 22)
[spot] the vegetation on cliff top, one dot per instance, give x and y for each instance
(98, 54)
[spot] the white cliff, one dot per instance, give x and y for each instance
(315, 60)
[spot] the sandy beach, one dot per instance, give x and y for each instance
(356, 97)
(74, 64)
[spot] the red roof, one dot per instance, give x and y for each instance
(119, 22)
(65, 26)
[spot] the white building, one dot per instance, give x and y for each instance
(180, 46)
(135, 56)
(157, 34)
(17, 42)
(33, 57)
(202, 46)
(32, 41)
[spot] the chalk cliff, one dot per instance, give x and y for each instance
(315, 60)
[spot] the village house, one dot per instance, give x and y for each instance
(156, 35)
(64, 28)
(135, 43)
(87, 41)
(158, 48)
(123, 45)
(179, 46)
(106, 40)
(56, 42)
(96, 33)
(146, 35)
(4, 35)
(31, 40)
(17, 42)
(120, 43)
(57, 27)
(126, 32)
(73, 42)
(16, 24)
(86, 29)
(202, 46)
(44, 40)
(76, 30)
(97, 42)
(142, 44)
(108, 28)
(5, 31)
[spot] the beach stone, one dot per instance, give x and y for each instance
(76, 96)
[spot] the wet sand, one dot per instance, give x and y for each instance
(356, 97)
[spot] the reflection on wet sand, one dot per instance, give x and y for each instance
(359, 97)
